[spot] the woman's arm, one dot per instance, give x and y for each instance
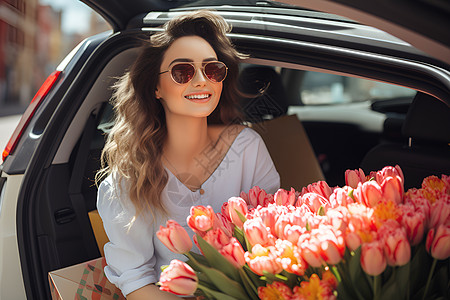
(151, 292)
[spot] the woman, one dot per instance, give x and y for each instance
(176, 143)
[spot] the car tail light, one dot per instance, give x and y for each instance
(28, 114)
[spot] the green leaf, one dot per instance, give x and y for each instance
(212, 294)
(225, 284)
(350, 194)
(200, 258)
(241, 216)
(359, 282)
(205, 280)
(419, 268)
(270, 278)
(402, 279)
(239, 235)
(216, 260)
(321, 211)
(221, 281)
(255, 278)
(291, 279)
(250, 288)
(389, 291)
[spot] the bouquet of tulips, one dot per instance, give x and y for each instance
(367, 240)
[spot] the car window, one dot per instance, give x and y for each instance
(315, 88)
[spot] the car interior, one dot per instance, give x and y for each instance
(304, 150)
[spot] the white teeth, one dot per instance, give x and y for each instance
(203, 96)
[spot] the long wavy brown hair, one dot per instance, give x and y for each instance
(134, 146)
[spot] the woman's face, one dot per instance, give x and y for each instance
(200, 96)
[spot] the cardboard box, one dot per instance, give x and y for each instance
(99, 231)
(83, 281)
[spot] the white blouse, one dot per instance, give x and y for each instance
(134, 254)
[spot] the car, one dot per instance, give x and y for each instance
(326, 92)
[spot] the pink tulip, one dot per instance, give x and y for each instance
(340, 197)
(315, 201)
(234, 253)
(280, 224)
(257, 196)
(216, 238)
(396, 246)
(353, 240)
(179, 279)
(373, 261)
(310, 250)
(225, 211)
(389, 171)
(201, 219)
(353, 177)
(392, 189)
(360, 226)
(415, 196)
(320, 187)
(223, 223)
(370, 193)
(283, 197)
(440, 211)
(414, 222)
(268, 216)
(263, 259)
(276, 290)
(338, 218)
(174, 237)
(438, 242)
(237, 204)
(300, 215)
(256, 233)
(331, 245)
(293, 233)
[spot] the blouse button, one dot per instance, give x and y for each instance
(202, 191)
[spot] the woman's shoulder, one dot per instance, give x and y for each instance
(112, 193)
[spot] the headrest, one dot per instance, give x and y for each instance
(428, 119)
(265, 96)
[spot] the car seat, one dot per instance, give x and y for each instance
(265, 105)
(427, 151)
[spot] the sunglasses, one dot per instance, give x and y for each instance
(182, 73)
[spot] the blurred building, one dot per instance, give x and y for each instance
(17, 32)
(30, 36)
(31, 46)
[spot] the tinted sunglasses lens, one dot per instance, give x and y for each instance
(215, 71)
(183, 73)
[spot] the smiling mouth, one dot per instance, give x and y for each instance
(199, 97)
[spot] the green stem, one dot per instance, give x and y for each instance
(376, 286)
(430, 275)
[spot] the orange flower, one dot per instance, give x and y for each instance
(290, 258)
(386, 210)
(433, 188)
(201, 219)
(315, 289)
(275, 291)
